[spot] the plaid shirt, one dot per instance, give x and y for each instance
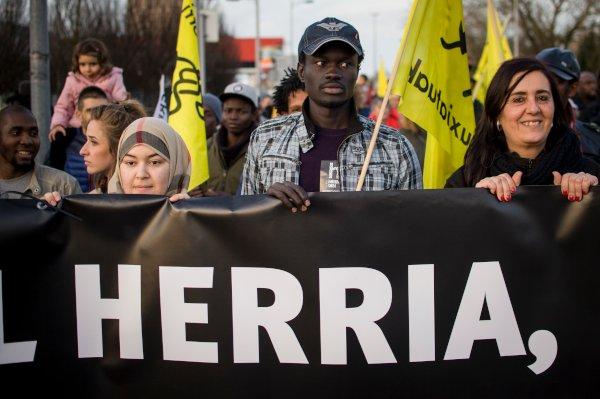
(274, 156)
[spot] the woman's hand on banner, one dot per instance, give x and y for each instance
(179, 196)
(503, 186)
(575, 185)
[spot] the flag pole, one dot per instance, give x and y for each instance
(476, 89)
(384, 103)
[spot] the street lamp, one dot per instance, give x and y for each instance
(292, 4)
(201, 32)
(257, 46)
(375, 60)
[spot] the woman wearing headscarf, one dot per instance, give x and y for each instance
(152, 158)
(523, 138)
(104, 126)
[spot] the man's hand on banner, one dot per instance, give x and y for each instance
(52, 198)
(575, 185)
(503, 186)
(293, 196)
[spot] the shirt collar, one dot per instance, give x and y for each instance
(306, 131)
(33, 187)
(353, 127)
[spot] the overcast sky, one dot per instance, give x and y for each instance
(239, 17)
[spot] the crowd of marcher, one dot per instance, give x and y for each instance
(540, 125)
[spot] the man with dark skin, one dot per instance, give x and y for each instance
(289, 94)
(587, 96)
(19, 144)
(238, 117)
(588, 86)
(213, 113)
(323, 147)
(227, 147)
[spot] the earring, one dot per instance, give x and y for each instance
(498, 126)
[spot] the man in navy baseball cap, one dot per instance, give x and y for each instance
(323, 147)
(326, 31)
(564, 66)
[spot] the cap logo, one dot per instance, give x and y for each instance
(238, 88)
(332, 26)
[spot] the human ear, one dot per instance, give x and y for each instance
(300, 70)
(573, 89)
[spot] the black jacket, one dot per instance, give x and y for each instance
(565, 156)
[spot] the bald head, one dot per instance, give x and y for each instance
(15, 109)
(587, 75)
(588, 86)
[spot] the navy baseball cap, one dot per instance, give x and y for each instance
(560, 62)
(329, 30)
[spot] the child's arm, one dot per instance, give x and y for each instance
(63, 111)
(119, 92)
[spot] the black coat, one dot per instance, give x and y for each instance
(565, 157)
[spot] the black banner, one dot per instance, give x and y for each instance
(430, 293)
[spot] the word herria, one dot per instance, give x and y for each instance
(485, 285)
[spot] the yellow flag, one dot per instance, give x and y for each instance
(381, 80)
(186, 114)
(434, 85)
(495, 52)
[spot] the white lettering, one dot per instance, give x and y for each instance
(92, 309)
(336, 317)
(13, 352)
(544, 347)
(175, 313)
(485, 285)
(421, 313)
(248, 316)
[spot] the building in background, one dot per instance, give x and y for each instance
(273, 62)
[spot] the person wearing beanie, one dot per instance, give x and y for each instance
(212, 113)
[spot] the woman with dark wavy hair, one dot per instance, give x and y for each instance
(523, 138)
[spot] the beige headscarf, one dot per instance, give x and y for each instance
(162, 138)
